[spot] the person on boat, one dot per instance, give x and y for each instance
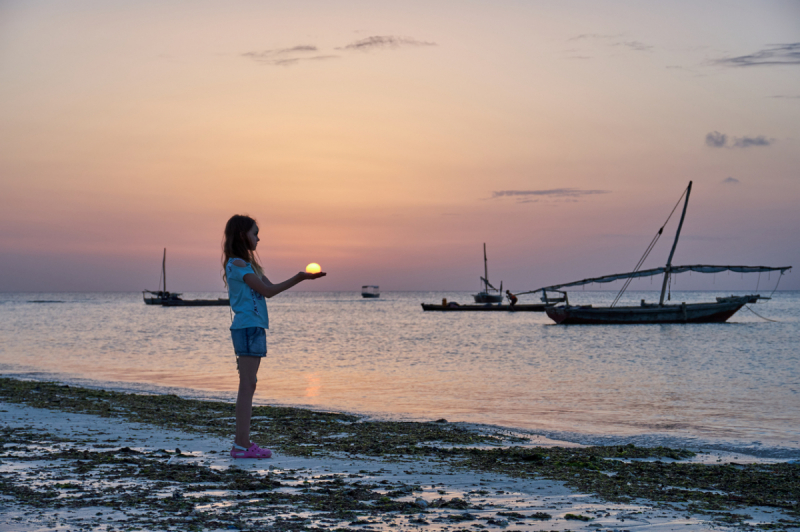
(247, 288)
(511, 298)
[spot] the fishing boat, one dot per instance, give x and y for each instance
(712, 312)
(370, 291)
(165, 298)
(489, 294)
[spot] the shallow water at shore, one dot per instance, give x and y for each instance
(734, 386)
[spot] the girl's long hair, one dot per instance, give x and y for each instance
(236, 245)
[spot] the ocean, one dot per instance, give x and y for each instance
(732, 386)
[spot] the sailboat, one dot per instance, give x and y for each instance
(712, 312)
(489, 294)
(173, 299)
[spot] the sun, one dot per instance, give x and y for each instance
(313, 268)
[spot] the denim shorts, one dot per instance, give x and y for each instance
(249, 342)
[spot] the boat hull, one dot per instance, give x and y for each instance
(488, 298)
(221, 302)
(370, 296)
(484, 308)
(173, 300)
(685, 313)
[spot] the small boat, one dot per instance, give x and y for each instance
(489, 294)
(455, 307)
(173, 299)
(370, 291)
(711, 312)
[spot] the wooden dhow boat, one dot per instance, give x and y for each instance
(173, 299)
(712, 312)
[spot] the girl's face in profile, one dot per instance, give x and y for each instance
(252, 236)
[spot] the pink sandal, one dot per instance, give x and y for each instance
(253, 452)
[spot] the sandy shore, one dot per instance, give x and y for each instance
(66, 470)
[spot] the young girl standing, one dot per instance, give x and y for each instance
(247, 288)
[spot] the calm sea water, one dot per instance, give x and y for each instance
(729, 386)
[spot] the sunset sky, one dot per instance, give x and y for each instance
(388, 141)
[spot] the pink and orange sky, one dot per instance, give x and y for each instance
(388, 140)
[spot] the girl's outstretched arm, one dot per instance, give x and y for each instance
(268, 289)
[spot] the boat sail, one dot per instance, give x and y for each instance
(712, 312)
(173, 299)
(489, 294)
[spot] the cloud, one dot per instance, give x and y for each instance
(308, 52)
(384, 41)
(746, 142)
(786, 96)
(775, 54)
(730, 181)
(288, 56)
(528, 196)
(715, 139)
(592, 36)
(635, 46)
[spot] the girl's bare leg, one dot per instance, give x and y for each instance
(248, 369)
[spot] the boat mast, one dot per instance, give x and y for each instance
(164, 269)
(674, 245)
(485, 271)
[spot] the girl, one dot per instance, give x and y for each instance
(247, 288)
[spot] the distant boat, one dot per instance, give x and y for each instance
(489, 294)
(712, 312)
(173, 299)
(370, 291)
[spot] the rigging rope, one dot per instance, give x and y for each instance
(648, 250)
(759, 315)
(770, 296)
(776, 284)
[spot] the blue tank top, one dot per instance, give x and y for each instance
(249, 307)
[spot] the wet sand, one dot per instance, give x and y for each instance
(66, 470)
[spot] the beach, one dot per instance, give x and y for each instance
(88, 459)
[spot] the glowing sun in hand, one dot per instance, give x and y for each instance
(313, 268)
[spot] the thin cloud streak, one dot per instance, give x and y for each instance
(730, 181)
(296, 54)
(715, 139)
(635, 46)
(525, 196)
(384, 41)
(746, 142)
(287, 56)
(593, 36)
(776, 54)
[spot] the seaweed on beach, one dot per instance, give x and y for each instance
(152, 491)
(615, 473)
(627, 473)
(296, 431)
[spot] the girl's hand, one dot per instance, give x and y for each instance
(309, 276)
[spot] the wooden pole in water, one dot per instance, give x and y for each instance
(674, 245)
